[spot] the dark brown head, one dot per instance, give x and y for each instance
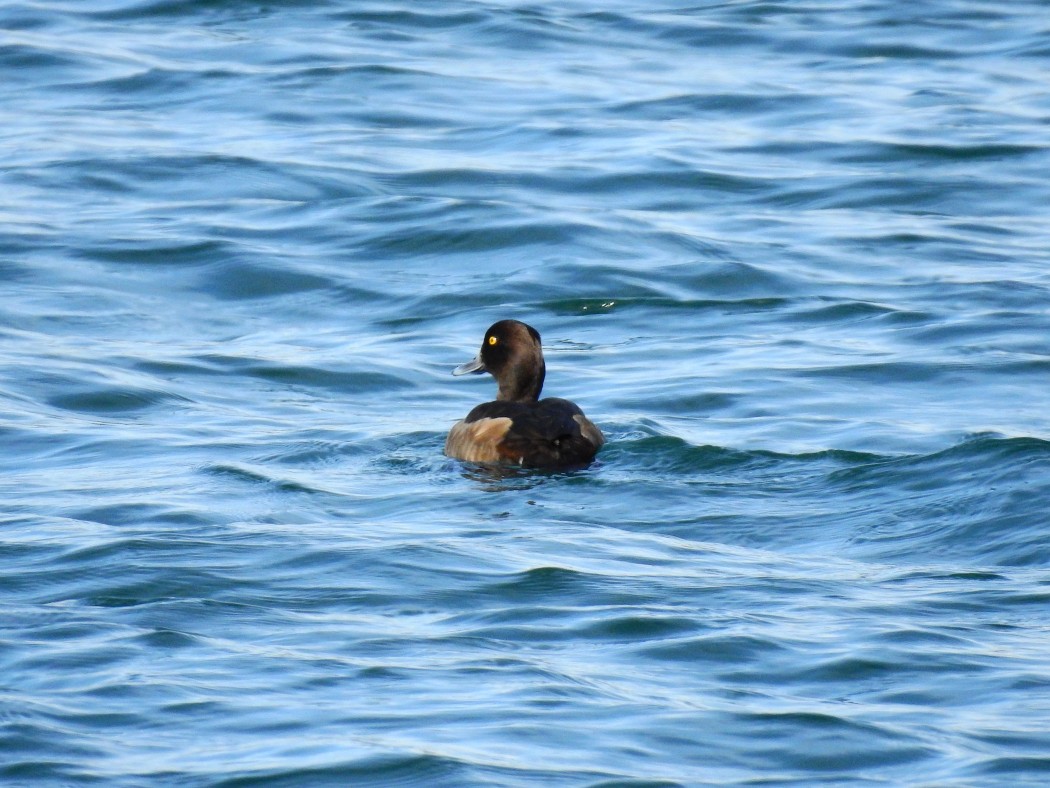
(511, 352)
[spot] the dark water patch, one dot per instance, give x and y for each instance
(961, 504)
(980, 452)
(399, 75)
(946, 194)
(732, 278)
(81, 448)
(703, 35)
(670, 454)
(899, 153)
(166, 640)
(169, 370)
(22, 16)
(713, 649)
(849, 312)
(208, 10)
(1035, 598)
(913, 637)
(999, 324)
(406, 769)
(499, 478)
(141, 513)
(306, 376)
(704, 248)
(971, 500)
(894, 51)
(634, 301)
(551, 582)
(961, 575)
(75, 664)
(533, 29)
(946, 246)
(1014, 768)
(690, 105)
(427, 240)
(871, 670)
(213, 179)
(665, 453)
(155, 87)
(37, 752)
(254, 477)
(238, 281)
(896, 372)
(10, 271)
(388, 118)
(728, 286)
(127, 550)
(64, 630)
(638, 185)
(27, 63)
(110, 401)
(1037, 47)
(132, 251)
(407, 18)
(834, 744)
(980, 297)
(635, 184)
(654, 402)
(1032, 741)
(141, 589)
(315, 453)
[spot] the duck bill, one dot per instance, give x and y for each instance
(473, 367)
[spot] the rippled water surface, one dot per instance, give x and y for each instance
(794, 259)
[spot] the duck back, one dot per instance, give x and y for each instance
(547, 433)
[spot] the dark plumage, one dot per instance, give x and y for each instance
(518, 427)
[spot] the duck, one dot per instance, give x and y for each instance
(518, 427)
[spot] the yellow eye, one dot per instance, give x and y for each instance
(493, 340)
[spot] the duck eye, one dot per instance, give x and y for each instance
(493, 340)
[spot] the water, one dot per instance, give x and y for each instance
(793, 258)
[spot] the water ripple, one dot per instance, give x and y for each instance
(791, 258)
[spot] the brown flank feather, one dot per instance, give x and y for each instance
(477, 441)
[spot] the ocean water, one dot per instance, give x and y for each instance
(793, 258)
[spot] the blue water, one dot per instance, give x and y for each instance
(793, 258)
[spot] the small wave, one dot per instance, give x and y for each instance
(109, 400)
(974, 501)
(237, 280)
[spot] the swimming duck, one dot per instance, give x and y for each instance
(518, 427)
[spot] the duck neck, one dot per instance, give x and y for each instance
(519, 386)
